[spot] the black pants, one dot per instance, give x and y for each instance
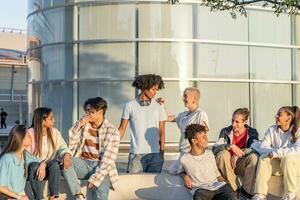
(53, 174)
(223, 193)
(3, 124)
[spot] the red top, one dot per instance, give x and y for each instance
(240, 141)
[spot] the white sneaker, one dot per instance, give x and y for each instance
(258, 197)
(289, 196)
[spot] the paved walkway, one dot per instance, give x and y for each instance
(6, 131)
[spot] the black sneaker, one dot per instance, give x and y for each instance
(243, 194)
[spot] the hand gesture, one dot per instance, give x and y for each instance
(41, 171)
(237, 151)
(220, 178)
(188, 182)
(90, 185)
(84, 120)
(160, 100)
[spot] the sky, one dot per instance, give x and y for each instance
(13, 14)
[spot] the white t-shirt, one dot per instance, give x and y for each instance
(202, 170)
(279, 143)
(144, 125)
(45, 147)
(186, 118)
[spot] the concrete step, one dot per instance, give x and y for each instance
(162, 186)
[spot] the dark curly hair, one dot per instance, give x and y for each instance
(146, 81)
(191, 131)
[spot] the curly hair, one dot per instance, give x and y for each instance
(191, 131)
(146, 81)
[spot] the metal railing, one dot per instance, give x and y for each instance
(12, 30)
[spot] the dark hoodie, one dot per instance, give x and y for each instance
(226, 135)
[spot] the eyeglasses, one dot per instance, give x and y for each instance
(91, 111)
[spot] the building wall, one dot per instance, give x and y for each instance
(13, 42)
(87, 49)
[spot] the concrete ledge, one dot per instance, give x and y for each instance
(136, 186)
(160, 187)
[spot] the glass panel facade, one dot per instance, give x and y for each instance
(57, 97)
(115, 93)
(296, 33)
(57, 62)
(97, 48)
(106, 60)
(107, 22)
(270, 63)
(220, 25)
(266, 100)
(163, 21)
(219, 100)
(55, 25)
(222, 61)
(266, 27)
(154, 57)
(297, 64)
(34, 5)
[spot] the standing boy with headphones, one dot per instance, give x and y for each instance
(146, 118)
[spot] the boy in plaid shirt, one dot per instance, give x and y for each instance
(94, 143)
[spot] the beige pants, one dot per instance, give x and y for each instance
(245, 167)
(288, 167)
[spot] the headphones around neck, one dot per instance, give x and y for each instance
(144, 102)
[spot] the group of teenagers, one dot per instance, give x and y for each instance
(40, 152)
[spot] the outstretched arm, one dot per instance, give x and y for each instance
(171, 118)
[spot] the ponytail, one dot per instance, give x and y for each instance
(295, 123)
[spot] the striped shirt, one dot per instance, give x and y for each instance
(90, 149)
(108, 138)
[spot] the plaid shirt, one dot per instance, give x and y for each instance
(109, 139)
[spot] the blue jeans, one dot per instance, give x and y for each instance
(83, 169)
(151, 163)
(53, 175)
